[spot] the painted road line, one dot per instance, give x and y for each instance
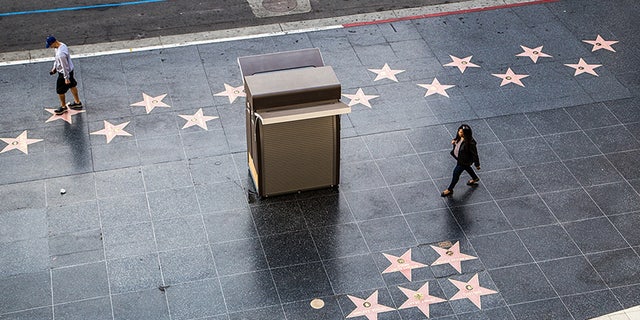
(163, 42)
(95, 6)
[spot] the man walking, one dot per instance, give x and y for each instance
(64, 67)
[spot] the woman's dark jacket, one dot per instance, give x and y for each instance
(468, 153)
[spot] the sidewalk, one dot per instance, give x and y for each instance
(158, 219)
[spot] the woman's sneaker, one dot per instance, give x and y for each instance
(75, 105)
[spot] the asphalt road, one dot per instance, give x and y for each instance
(26, 23)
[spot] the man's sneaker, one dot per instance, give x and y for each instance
(60, 110)
(75, 105)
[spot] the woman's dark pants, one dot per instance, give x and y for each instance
(457, 171)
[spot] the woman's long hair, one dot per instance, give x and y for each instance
(466, 131)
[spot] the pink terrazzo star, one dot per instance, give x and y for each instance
(232, 92)
(197, 119)
(436, 87)
(470, 290)
(368, 307)
(582, 67)
(360, 98)
(510, 77)
(461, 63)
(402, 264)
(386, 73)
(21, 142)
(534, 53)
(420, 299)
(149, 102)
(451, 256)
(111, 131)
(65, 116)
(600, 43)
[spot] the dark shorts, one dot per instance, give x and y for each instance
(61, 86)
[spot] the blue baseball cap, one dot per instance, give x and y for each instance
(50, 41)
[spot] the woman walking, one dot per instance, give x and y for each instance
(466, 154)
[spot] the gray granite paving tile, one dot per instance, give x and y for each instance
(148, 304)
(23, 224)
(479, 219)
(571, 205)
(387, 233)
(552, 309)
(45, 313)
(187, 264)
(548, 242)
(229, 225)
(371, 204)
(78, 188)
(593, 170)
(522, 283)
(625, 223)
(629, 296)
(592, 304)
(273, 312)
(572, 275)
(626, 110)
(494, 156)
(507, 183)
(78, 247)
(404, 169)
(196, 299)
(552, 121)
(615, 198)
(617, 267)
(353, 150)
(387, 145)
(213, 169)
(426, 226)
(181, 232)
(75, 217)
(115, 155)
(592, 116)
(129, 240)
(613, 139)
(433, 138)
(221, 197)
(160, 149)
(24, 256)
(418, 196)
(79, 282)
(511, 127)
(251, 290)
(124, 210)
(552, 176)
(351, 274)
(134, 273)
(204, 144)
(239, 256)
(595, 235)
(624, 163)
(170, 175)
(290, 248)
(171, 203)
(99, 309)
(439, 164)
(360, 176)
(580, 146)
(119, 182)
(28, 291)
(512, 251)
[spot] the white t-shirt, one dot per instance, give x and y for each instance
(63, 63)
